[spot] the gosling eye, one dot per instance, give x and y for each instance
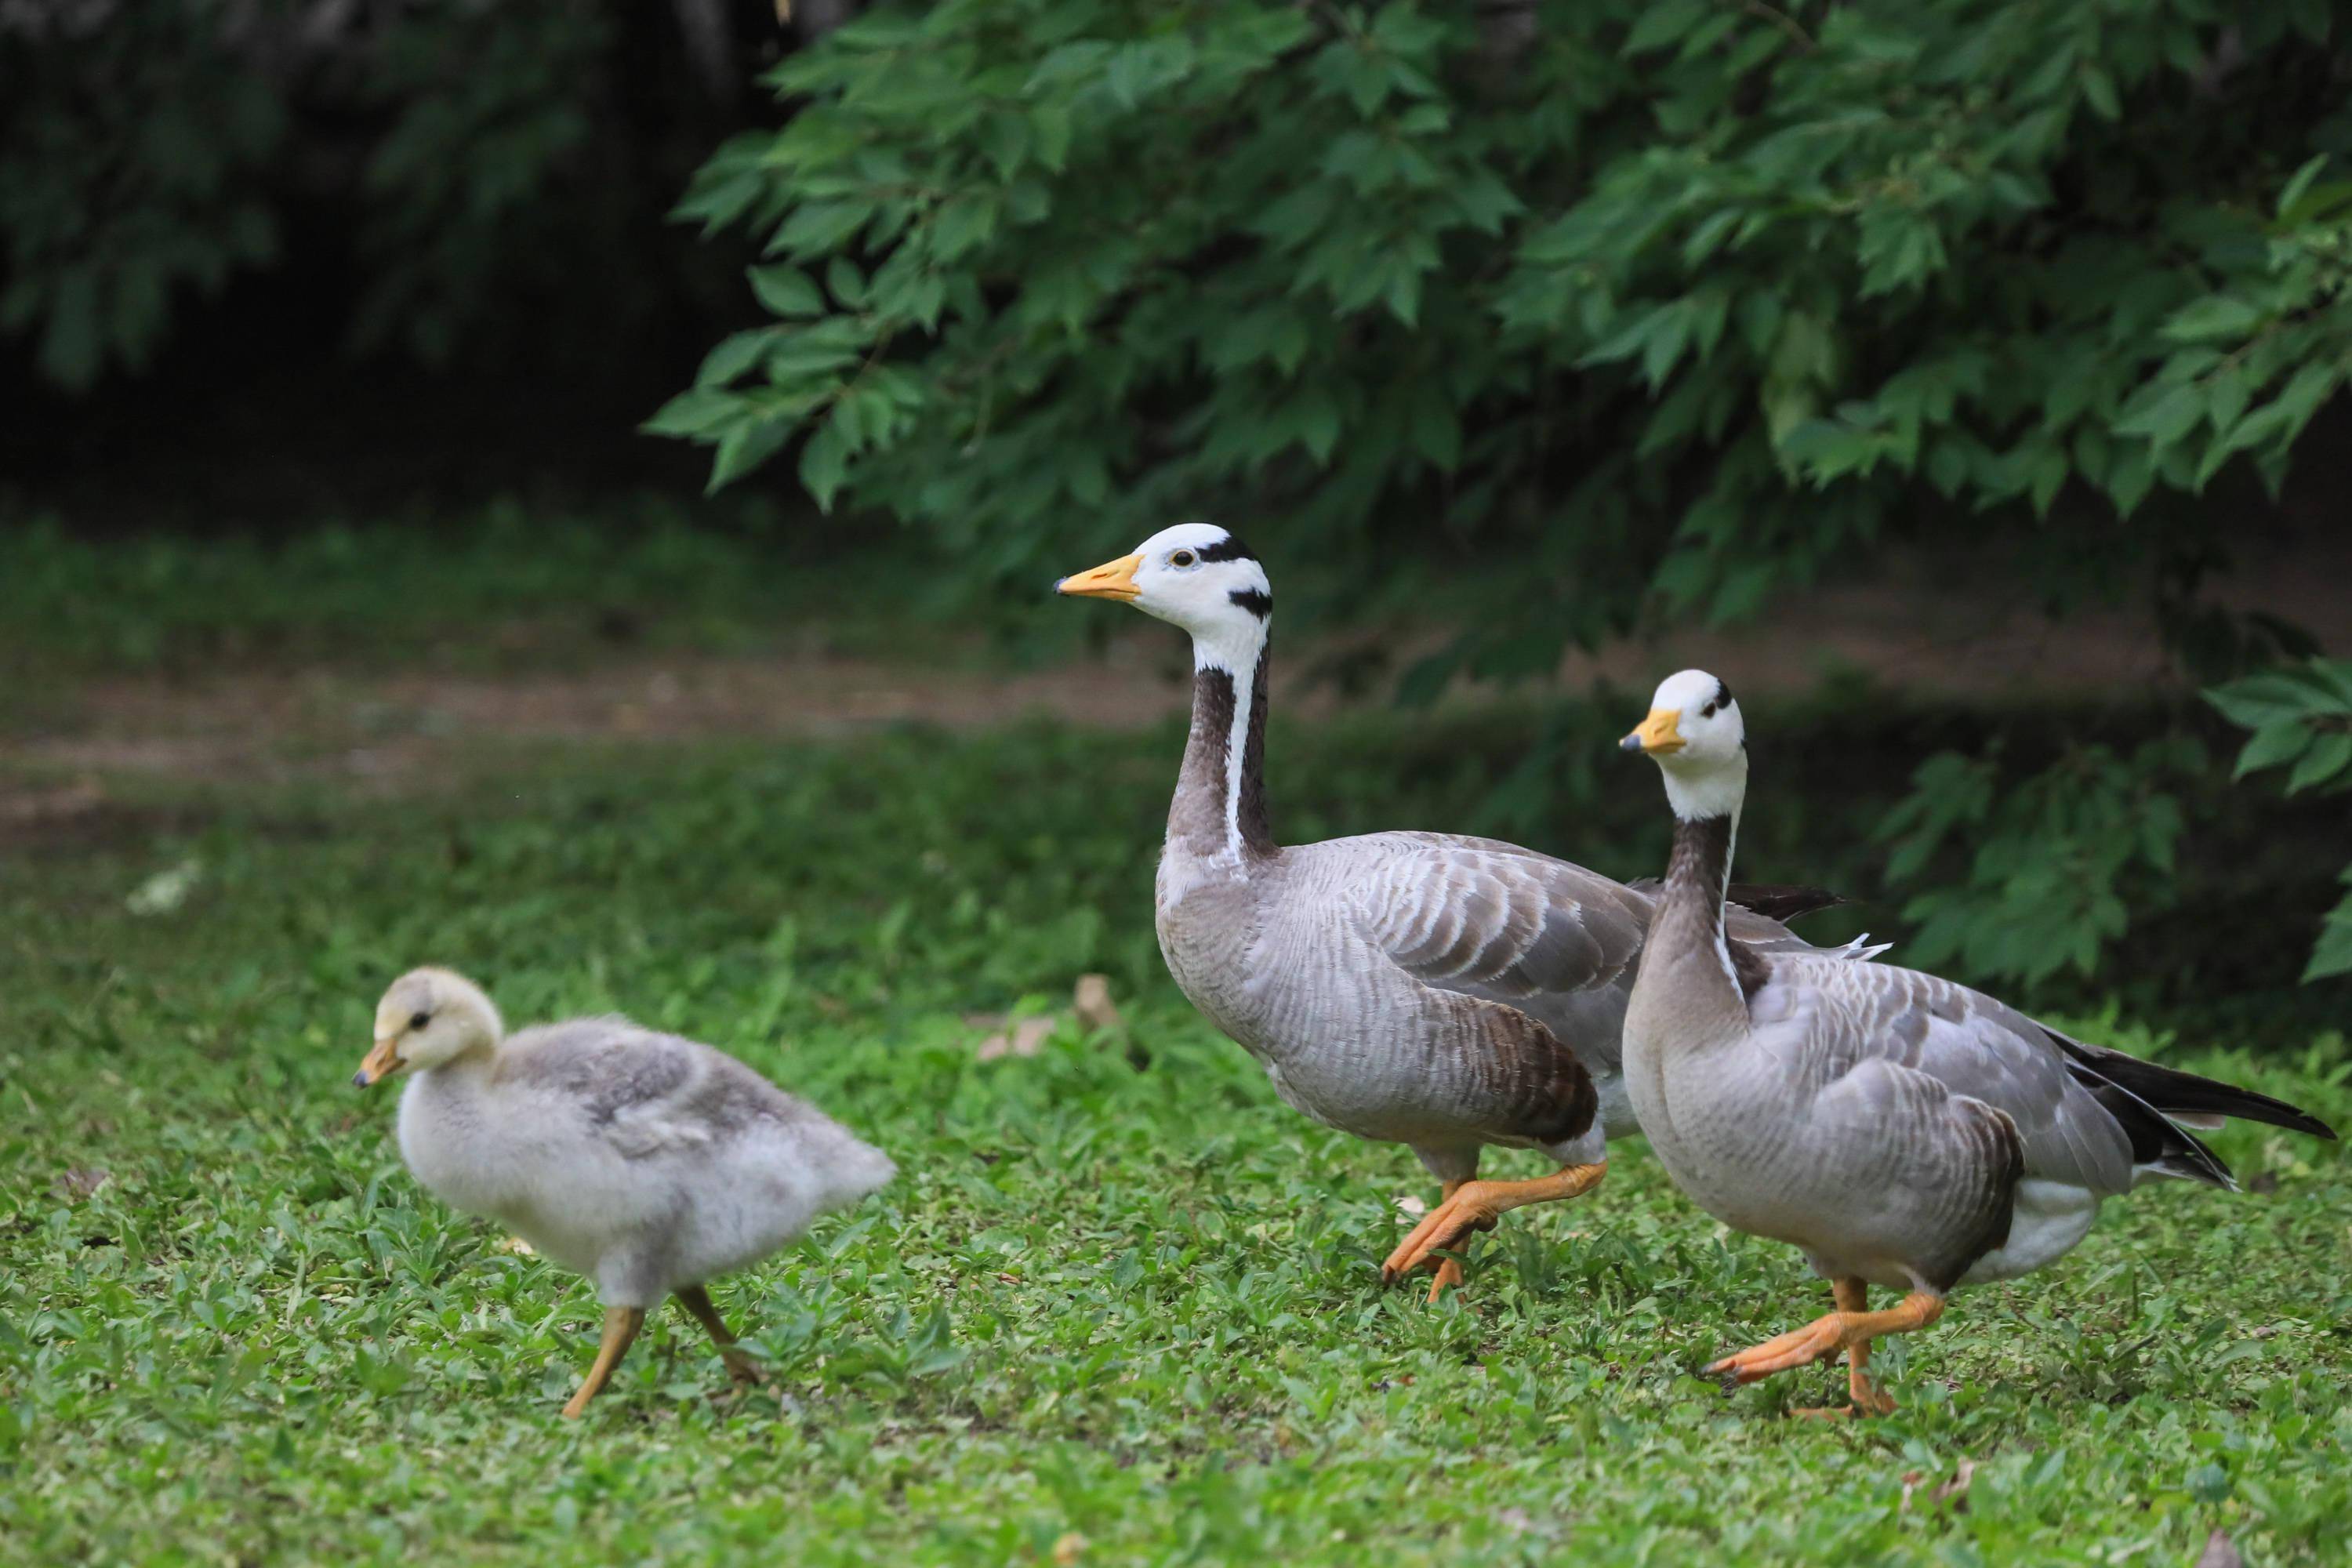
(1708, 711)
(418, 1020)
(1181, 558)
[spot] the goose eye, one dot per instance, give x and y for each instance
(1181, 558)
(419, 1020)
(1708, 711)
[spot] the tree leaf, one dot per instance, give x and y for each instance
(2333, 954)
(2214, 316)
(697, 412)
(2330, 757)
(744, 449)
(786, 291)
(824, 465)
(2280, 741)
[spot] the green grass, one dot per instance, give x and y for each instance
(499, 587)
(1135, 1304)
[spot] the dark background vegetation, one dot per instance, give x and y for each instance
(1510, 331)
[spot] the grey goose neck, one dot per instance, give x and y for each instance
(1219, 808)
(1690, 914)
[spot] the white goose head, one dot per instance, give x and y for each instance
(428, 1016)
(1699, 741)
(1195, 576)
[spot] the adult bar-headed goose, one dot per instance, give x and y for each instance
(645, 1162)
(1440, 991)
(1904, 1131)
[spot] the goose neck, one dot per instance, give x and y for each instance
(1689, 922)
(1219, 811)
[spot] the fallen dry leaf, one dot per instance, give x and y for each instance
(80, 1183)
(1069, 1549)
(1412, 1207)
(166, 890)
(1953, 1493)
(1090, 998)
(1021, 1040)
(2219, 1553)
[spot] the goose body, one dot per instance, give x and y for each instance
(645, 1162)
(1902, 1130)
(1438, 991)
(1443, 992)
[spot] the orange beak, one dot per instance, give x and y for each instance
(1658, 734)
(381, 1063)
(1111, 580)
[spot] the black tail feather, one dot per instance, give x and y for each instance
(2170, 1090)
(1782, 901)
(2155, 1139)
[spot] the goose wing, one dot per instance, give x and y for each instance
(1482, 918)
(643, 1092)
(1838, 1026)
(1493, 921)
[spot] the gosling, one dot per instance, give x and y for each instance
(648, 1163)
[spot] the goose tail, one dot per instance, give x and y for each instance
(1783, 901)
(2186, 1098)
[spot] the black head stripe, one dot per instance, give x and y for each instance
(1225, 549)
(1256, 601)
(1722, 693)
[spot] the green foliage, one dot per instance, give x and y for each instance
(1676, 296)
(1669, 304)
(2302, 721)
(466, 176)
(135, 156)
(492, 124)
(2058, 863)
(1138, 1306)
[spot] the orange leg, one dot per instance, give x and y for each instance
(1449, 1269)
(1476, 1206)
(1854, 1297)
(621, 1326)
(697, 1301)
(1849, 1329)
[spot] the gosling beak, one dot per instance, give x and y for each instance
(381, 1063)
(1658, 734)
(1111, 580)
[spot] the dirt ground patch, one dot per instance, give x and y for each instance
(384, 733)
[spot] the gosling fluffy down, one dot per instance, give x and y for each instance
(644, 1160)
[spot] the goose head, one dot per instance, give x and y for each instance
(1697, 737)
(428, 1016)
(1195, 576)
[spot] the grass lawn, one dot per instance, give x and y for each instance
(1120, 1306)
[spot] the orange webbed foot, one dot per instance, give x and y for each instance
(1444, 1228)
(1475, 1206)
(1817, 1340)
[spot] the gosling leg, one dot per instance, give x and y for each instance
(697, 1301)
(621, 1326)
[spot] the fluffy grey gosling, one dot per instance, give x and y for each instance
(1903, 1130)
(648, 1163)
